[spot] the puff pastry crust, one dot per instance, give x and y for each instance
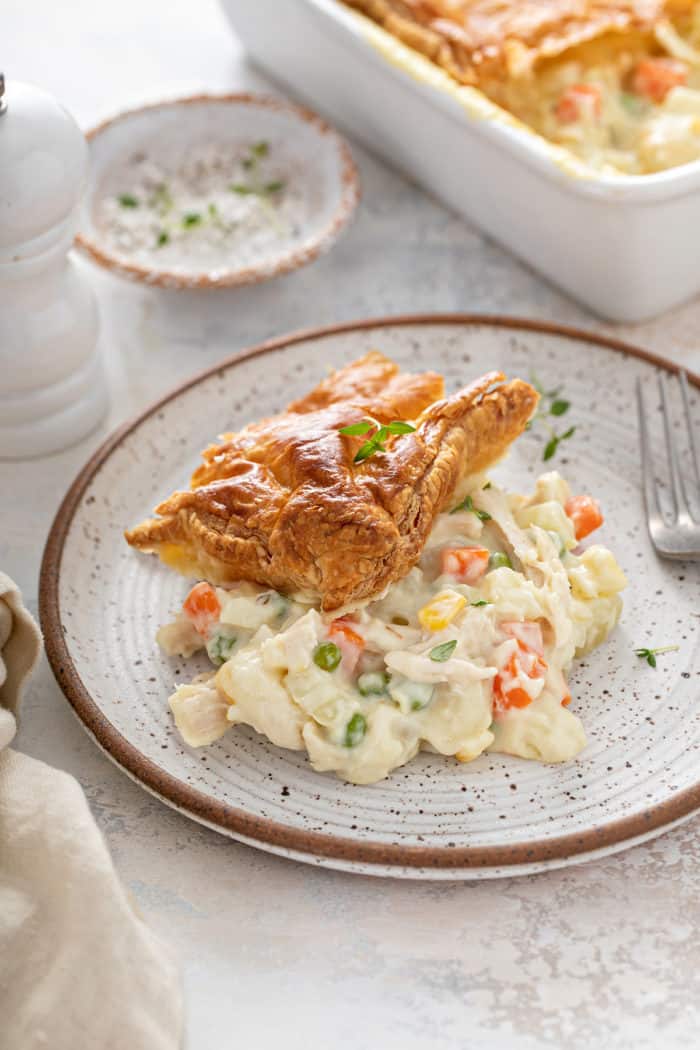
(282, 503)
(481, 40)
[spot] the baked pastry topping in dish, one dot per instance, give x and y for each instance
(462, 638)
(615, 81)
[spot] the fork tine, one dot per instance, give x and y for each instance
(689, 425)
(651, 495)
(677, 490)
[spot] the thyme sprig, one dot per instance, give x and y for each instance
(374, 443)
(468, 504)
(650, 654)
(556, 406)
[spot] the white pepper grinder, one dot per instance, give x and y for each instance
(52, 385)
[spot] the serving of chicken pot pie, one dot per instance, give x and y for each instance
(366, 592)
(615, 81)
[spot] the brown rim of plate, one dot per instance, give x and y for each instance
(350, 196)
(236, 822)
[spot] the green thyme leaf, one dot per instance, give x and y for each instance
(162, 238)
(260, 149)
(558, 408)
(193, 218)
(127, 200)
(241, 189)
(482, 601)
(550, 448)
(274, 187)
(443, 652)
(356, 428)
(399, 427)
(365, 451)
(569, 433)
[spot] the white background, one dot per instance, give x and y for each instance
(277, 954)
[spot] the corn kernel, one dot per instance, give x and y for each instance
(439, 612)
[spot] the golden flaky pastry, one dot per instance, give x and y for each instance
(282, 503)
(479, 41)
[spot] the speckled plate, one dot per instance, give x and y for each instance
(101, 604)
(324, 175)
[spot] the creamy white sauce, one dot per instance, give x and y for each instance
(623, 130)
(454, 705)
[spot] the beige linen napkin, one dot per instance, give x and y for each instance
(79, 970)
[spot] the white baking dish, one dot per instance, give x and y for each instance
(627, 246)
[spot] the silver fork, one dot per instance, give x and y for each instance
(681, 538)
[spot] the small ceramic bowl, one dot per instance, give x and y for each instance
(269, 154)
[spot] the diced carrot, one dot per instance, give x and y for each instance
(343, 627)
(577, 102)
(515, 697)
(466, 564)
(505, 694)
(202, 607)
(655, 77)
(350, 643)
(527, 633)
(585, 513)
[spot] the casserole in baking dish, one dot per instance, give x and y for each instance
(623, 244)
(615, 81)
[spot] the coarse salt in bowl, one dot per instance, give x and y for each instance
(215, 191)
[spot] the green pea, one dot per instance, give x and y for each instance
(327, 656)
(355, 730)
(372, 683)
(220, 647)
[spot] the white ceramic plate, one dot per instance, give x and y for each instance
(324, 180)
(101, 604)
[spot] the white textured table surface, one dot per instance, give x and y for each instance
(601, 956)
